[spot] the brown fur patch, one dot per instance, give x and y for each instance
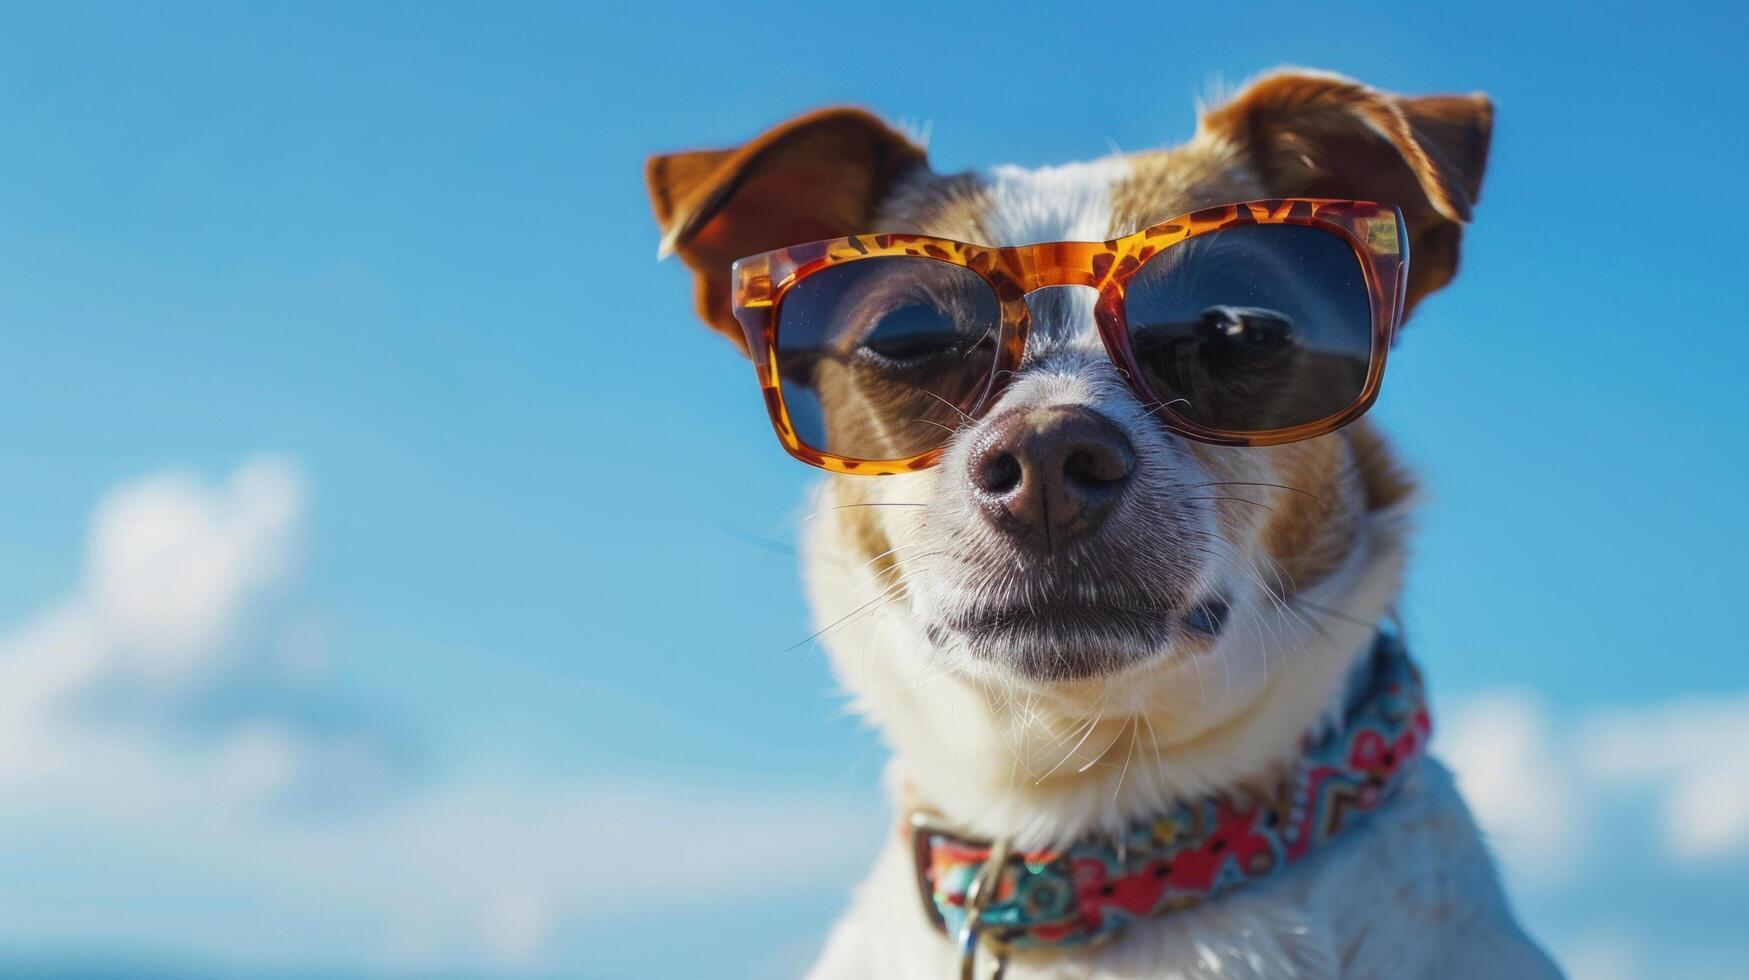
(1386, 483)
(1312, 527)
(945, 206)
(1167, 183)
(1338, 480)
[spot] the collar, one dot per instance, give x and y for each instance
(1017, 900)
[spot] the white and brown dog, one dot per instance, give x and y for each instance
(1058, 660)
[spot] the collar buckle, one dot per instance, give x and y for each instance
(984, 886)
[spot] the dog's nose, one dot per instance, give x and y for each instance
(1046, 475)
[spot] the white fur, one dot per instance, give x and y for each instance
(1411, 893)
(1068, 203)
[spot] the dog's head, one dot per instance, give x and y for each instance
(1068, 547)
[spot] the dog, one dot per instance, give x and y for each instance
(1104, 645)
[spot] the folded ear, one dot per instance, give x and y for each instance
(821, 175)
(1317, 135)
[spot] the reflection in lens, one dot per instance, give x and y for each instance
(878, 357)
(1253, 328)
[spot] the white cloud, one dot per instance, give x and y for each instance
(458, 871)
(1603, 956)
(1503, 747)
(258, 761)
(172, 564)
(1693, 755)
(1536, 780)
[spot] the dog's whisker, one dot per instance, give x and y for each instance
(1245, 483)
(950, 430)
(760, 541)
(1135, 735)
(1332, 613)
(1242, 500)
(955, 408)
(885, 594)
(1092, 724)
(869, 503)
(1159, 406)
(1099, 757)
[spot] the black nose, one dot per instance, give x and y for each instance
(1046, 475)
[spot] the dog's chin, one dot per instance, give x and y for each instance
(1060, 643)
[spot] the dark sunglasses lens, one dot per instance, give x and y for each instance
(879, 357)
(1253, 328)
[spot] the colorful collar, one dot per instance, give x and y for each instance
(1086, 893)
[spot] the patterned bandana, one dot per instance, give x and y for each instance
(1197, 851)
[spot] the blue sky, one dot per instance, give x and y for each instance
(366, 625)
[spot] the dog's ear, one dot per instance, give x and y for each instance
(1317, 135)
(817, 176)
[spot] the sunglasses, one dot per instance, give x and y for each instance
(1252, 324)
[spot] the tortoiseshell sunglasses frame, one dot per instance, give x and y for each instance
(1375, 231)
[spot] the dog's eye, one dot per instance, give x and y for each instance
(913, 334)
